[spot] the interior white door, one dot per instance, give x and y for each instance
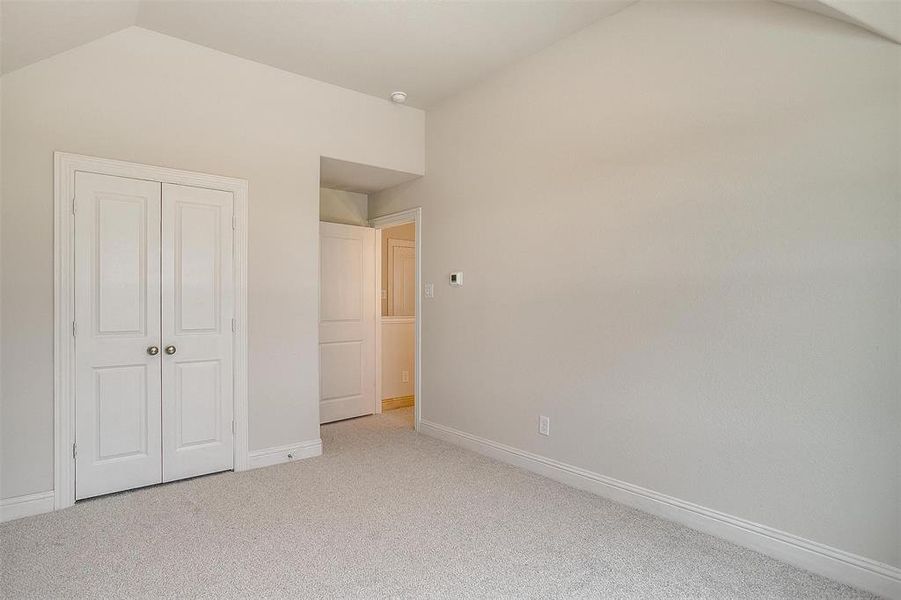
(197, 331)
(117, 326)
(346, 321)
(402, 271)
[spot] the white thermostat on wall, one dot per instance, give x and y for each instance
(456, 278)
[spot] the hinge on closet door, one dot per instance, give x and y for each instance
(74, 206)
(234, 221)
(234, 325)
(233, 427)
(74, 451)
(74, 328)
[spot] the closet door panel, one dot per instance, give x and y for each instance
(197, 313)
(117, 310)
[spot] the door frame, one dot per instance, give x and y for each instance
(65, 165)
(412, 215)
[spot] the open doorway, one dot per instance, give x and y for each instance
(398, 330)
(369, 307)
(397, 325)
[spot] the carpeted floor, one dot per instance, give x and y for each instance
(384, 513)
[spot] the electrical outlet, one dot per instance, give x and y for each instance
(544, 425)
(405, 377)
(429, 290)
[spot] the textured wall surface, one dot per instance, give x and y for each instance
(680, 234)
(144, 97)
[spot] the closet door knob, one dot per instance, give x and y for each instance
(170, 350)
(153, 351)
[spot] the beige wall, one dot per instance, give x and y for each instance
(680, 233)
(144, 97)
(398, 343)
(337, 206)
(406, 231)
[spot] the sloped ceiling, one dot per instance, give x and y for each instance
(33, 31)
(427, 49)
(882, 17)
(431, 50)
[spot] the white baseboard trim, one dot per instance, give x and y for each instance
(280, 454)
(858, 571)
(25, 506)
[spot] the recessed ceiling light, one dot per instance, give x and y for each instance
(398, 97)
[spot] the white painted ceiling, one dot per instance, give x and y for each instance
(430, 49)
(32, 30)
(353, 177)
(882, 17)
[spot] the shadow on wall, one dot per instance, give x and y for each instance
(349, 208)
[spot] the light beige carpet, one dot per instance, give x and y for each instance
(384, 513)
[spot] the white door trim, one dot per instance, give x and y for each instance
(377, 410)
(412, 215)
(65, 167)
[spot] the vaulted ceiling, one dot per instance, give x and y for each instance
(882, 17)
(428, 49)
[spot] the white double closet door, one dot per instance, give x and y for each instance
(154, 306)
